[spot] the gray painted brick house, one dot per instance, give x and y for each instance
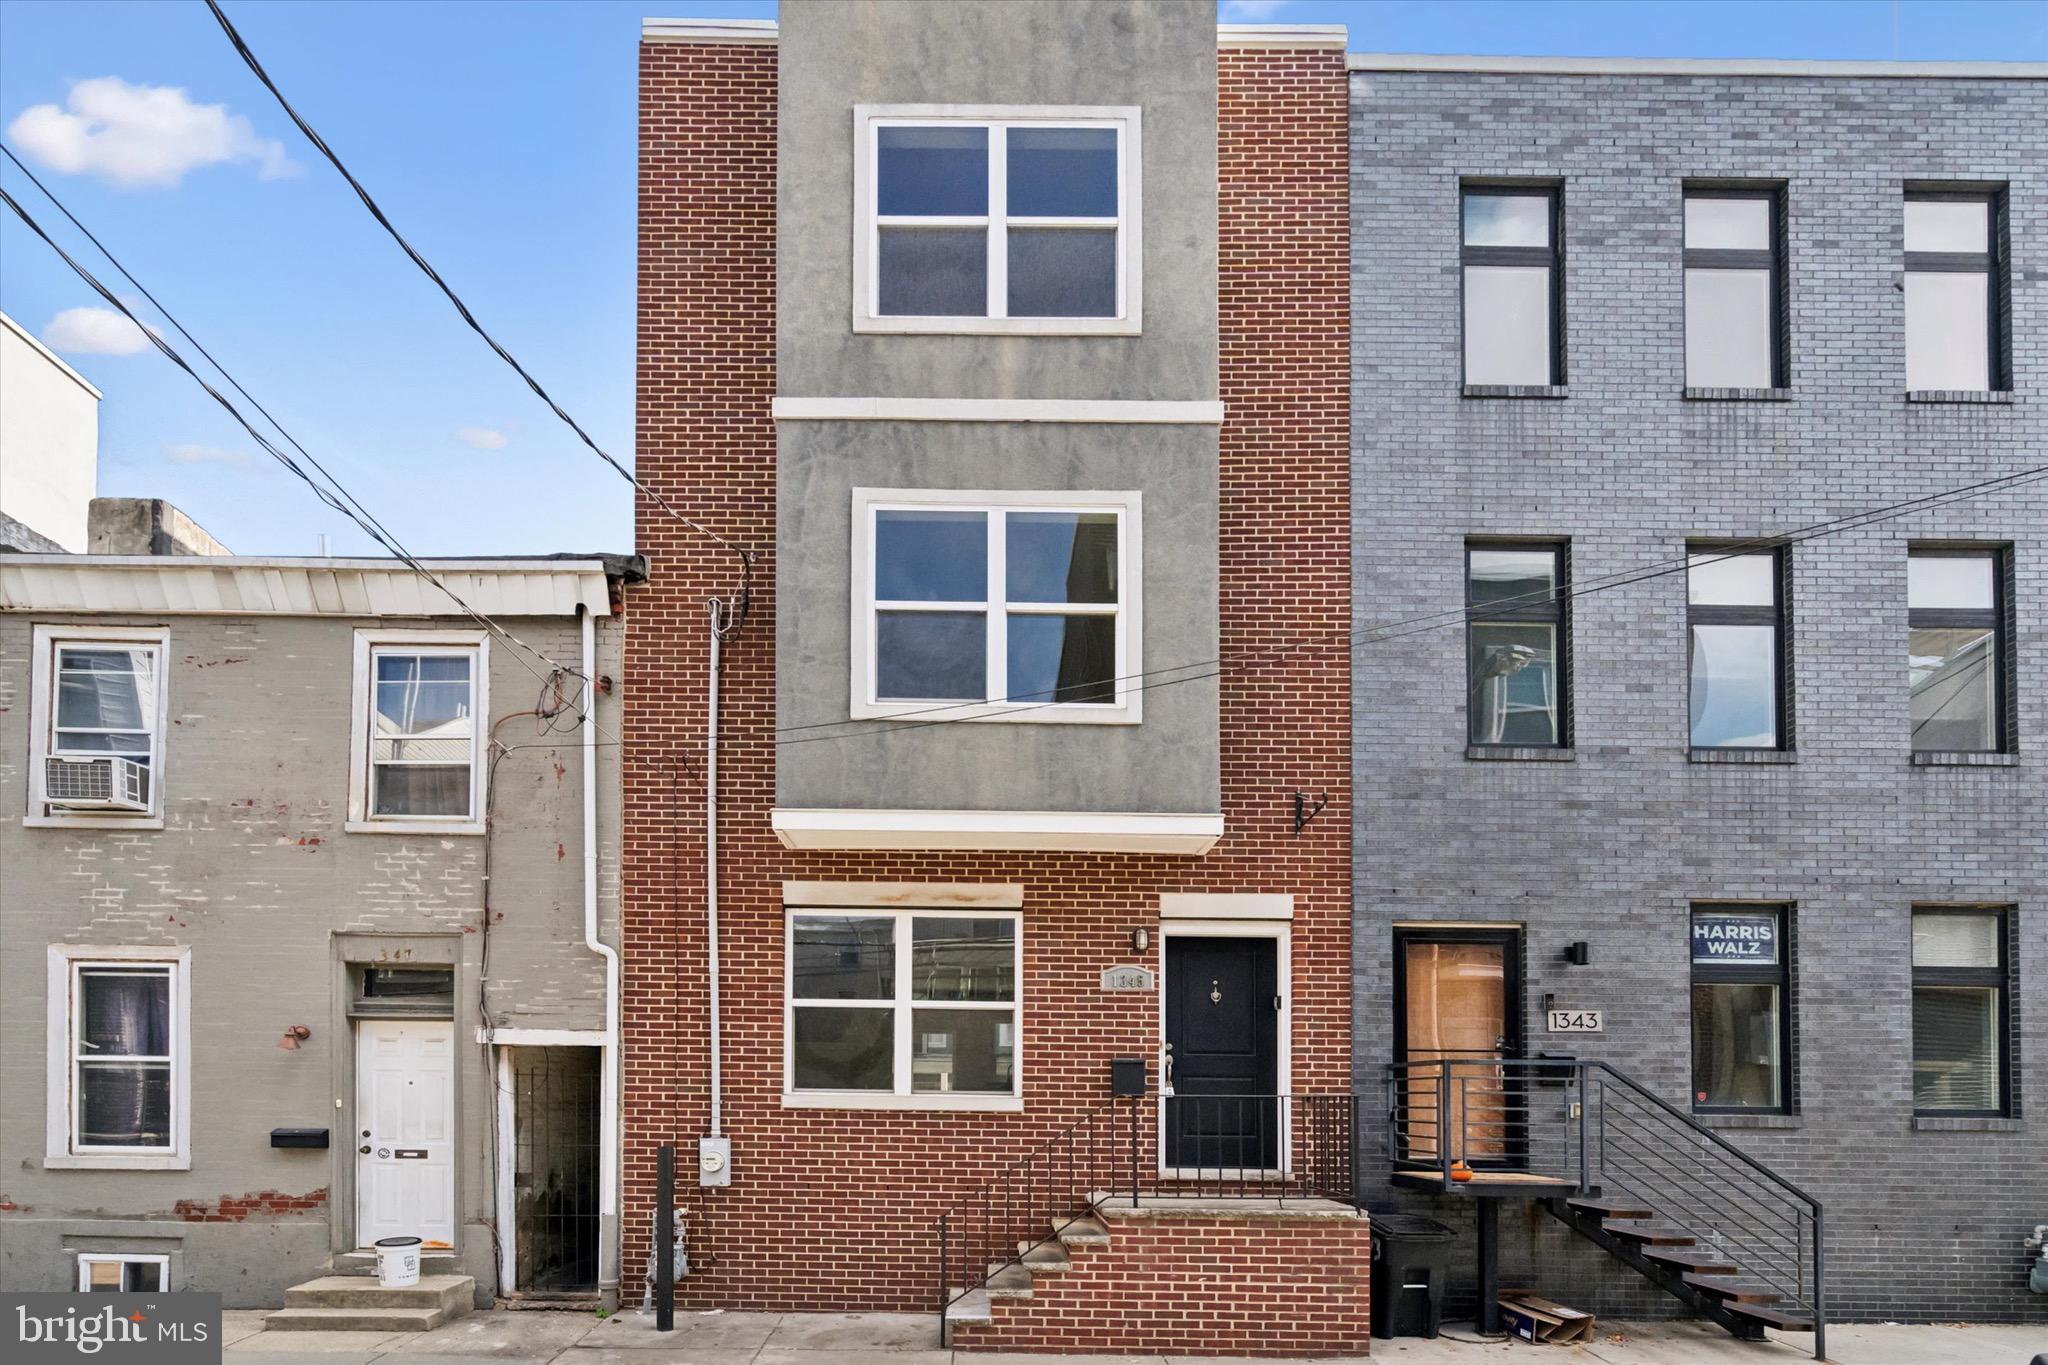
(1610, 315)
(298, 902)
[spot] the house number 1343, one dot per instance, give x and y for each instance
(1575, 1021)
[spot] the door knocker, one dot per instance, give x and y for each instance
(1215, 992)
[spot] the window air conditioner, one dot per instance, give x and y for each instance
(96, 783)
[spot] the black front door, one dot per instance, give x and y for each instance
(1223, 1042)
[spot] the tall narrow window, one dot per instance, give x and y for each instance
(1734, 315)
(1735, 620)
(1513, 312)
(1961, 1013)
(1515, 644)
(1955, 650)
(1741, 1028)
(121, 1016)
(421, 708)
(1022, 604)
(1955, 288)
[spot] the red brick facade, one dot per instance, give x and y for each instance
(835, 1209)
(1198, 1286)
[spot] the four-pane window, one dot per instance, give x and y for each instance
(1955, 653)
(1954, 277)
(998, 218)
(1512, 293)
(1734, 322)
(1960, 1013)
(1735, 626)
(907, 1002)
(1515, 609)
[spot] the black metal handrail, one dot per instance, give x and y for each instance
(1154, 1146)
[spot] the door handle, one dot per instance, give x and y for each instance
(364, 1150)
(1166, 1072)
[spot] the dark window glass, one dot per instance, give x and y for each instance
(1512, 302)
(933, 272)
(1516, 623)
(931, 556)
(931, 656)
(1735, 637)
(1062, 658)
(1740, 1004)
(967, 958)
(843, 957)
(932, 172)
(1061, 173)
(123, 1051)
(1955, 650)
(1960, 1012)
(844, 1049)
(1955, 277)
(1061, 556)
(1062, 272)
(971, 1051)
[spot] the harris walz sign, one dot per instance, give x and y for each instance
(1735, 936)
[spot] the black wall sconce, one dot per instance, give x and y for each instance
(1579, 953)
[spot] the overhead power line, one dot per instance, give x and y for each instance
(341, 500)
(320, 144)
(1395, 630)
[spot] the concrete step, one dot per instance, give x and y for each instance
(454, 1292)
(356, 1319)
(1009, 1282)
(1047, 1258)
(1082, 1230)
(974, 1307)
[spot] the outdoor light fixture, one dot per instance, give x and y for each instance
(1579, 953)
(1141, 939)
(293, 1036)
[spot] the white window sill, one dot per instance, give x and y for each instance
(1006, 713)
(1001, 327)
(429, 827)
(119, 1161)
(866, 1099)
(997, 831)
(93, 821)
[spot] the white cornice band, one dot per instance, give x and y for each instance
(1099, 411)
(1000, 831)
(1689, 66)
(766, 31)
(227, 585)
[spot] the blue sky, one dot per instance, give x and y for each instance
(501, 139)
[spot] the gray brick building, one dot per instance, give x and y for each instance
(1579, 808)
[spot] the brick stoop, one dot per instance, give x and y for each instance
(354, 1303)
(1223, 1277)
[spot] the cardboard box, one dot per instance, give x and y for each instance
(1539, 1320)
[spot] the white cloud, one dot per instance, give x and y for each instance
(94, 331)
(1250, 11)
(481, 438)
(142, 136)
(187, 453)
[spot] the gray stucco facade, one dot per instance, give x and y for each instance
(835, 60)
(255, 875)
(1612, 846)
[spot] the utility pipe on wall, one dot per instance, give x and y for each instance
(718, 633)
(608, 1117)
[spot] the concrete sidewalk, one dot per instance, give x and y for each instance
(539, 1338)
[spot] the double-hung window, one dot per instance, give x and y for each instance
(1957, 291)
(909, 1006)
(1741, 1009)
(1514, 296)
(1516, 644)
(1734, 289)
(98, 715)
(1956, 654)
(997, 220)
(420, 726)
(1961, 1012)
(119, 1053)
(991, 606)
(1736, 635)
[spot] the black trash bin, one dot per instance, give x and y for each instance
(1411, 1260)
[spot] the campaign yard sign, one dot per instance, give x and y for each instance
(1735, 937)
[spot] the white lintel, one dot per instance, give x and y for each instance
(918, 895)
(997, 831)
(1225, 905)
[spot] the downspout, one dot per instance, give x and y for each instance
(711, 863)
(608, 1116)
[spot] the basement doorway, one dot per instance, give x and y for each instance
(555, 1165)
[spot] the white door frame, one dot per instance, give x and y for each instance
(502, 1042)
(1282, 932)
(360, 1113)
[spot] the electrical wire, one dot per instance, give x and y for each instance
(269, 447)
(248, 56)
(1352, 641)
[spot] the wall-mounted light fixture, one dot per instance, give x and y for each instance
(1141, 939)
(293, 1036)
(1579, 953)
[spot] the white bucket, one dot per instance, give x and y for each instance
(398, 1262)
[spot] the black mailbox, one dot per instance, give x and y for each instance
(1127, 1076)
(298, 1137)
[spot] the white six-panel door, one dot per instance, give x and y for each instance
(405, 1130)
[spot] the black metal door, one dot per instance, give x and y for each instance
(1223, 1042)
(555, 1163)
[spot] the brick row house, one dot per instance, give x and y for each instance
(1024, 381)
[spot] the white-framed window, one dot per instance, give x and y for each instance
(98, 712)
(997, 219)
(420, 722)
(115, 1273)
(1004, 606)
(119, 1029)
(903, 1008)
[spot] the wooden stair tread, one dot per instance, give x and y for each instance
(1784, 1319)
(1611, 1207)
(1653, 1234)
(1731, 1288)
(1697, 1260)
